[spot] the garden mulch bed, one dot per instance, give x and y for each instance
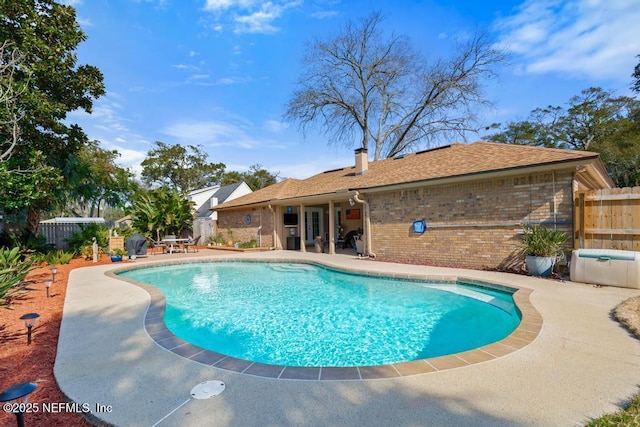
(34, 363)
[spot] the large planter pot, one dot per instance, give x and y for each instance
(540, 266)
(116, 258)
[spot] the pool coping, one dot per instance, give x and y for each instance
(525, 333)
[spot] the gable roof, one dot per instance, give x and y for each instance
(225, 191)
(451, 161)
(203, 196)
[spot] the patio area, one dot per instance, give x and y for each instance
(582, 364)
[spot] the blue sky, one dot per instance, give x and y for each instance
(219, 73)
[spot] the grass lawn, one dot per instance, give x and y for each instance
(627, 313)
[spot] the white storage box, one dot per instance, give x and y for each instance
(606, 267)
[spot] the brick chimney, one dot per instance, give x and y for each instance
(362, 161)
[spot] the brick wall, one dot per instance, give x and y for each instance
(472, 224)
(243, 232)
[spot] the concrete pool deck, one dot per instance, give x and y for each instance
(581, 364)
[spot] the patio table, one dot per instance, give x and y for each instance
(171, 242)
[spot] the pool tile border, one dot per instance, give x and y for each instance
(527, 331)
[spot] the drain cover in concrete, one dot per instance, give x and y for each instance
(207, 389)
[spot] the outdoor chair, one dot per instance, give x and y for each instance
(154, 244)
(191, 244)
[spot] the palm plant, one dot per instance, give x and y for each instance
(161, 211)
(541, 241)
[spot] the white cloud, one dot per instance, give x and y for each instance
(249, 16)
(210, 134)
(227, 4)
(274, 126)
(258, 22)
(105, 124)
(588, 38)
(324, 14)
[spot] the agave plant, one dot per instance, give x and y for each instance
(543, 242)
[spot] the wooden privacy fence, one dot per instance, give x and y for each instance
(608, 219)
(57, 230)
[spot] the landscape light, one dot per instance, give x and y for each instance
(54, 270)
(30, 320)
(47, 284)
(16, 392)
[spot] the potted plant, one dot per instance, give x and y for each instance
(117, 254)
(541, 246)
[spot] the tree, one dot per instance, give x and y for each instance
(359, 83)
(50, 84)
(256, 177)
(161, 211)
(635, 86)
(10, 58)
(590, 116)
(97, 182)
(184, 169)
(594, 120)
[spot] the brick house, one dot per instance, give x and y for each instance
(473, 199)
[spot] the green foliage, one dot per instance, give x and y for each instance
(541, 241)
(86, 252)
(256, 177)
(629, 416)
(26, 241)
(635, 86)
(179, 168)
(96, 180)
(117, 252)
(50, 85)
(595, 120)
(85, 236)
(28, 181)
(156, 213)
(58, 257)
(253, 243)
(13, 269)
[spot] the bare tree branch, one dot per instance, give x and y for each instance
(10, 114)
(359, 83)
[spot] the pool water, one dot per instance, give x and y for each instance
(296, 314)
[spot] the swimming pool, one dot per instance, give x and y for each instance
(296, 314)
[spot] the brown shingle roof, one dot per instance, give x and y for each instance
(444, 162)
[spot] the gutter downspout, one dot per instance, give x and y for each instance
(367, 224)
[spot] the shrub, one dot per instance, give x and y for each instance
(541, 241)
(86, 234)
(58, 257)
(13, 269)
(253, 243)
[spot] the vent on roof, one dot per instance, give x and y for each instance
(334, 170)
(433, 149)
